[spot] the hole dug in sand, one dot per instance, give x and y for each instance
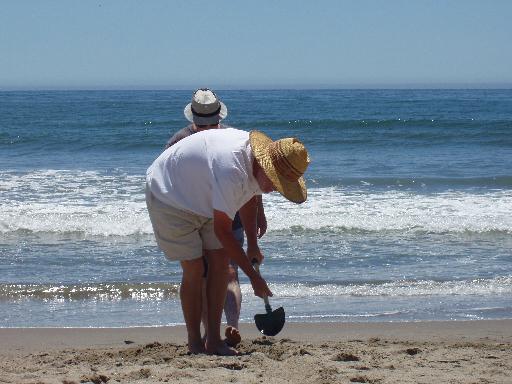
(412, 351)
(344, 356)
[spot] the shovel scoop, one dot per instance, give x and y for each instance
(271, 322)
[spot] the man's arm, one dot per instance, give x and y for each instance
(261, 221)
(222, 228)
(248, 215)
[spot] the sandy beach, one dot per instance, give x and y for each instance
(420, 352)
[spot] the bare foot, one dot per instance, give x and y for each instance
(222, 349)
(233, 337)
(196, 348)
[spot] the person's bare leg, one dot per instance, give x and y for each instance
(233, 301)
(204, 312)
(191, 302)
(216, 287)
(232, 307)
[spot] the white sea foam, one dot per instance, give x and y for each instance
(65, 201)
(102, 219)
(404, 211)
(163, 291)
(96, 204)
(496, 286)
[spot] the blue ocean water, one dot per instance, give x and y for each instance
(408, 215)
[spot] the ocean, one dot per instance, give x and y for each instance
(408, 216)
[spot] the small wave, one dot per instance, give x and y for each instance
(112, 204)
(404, 288)
(397, 211)
(503, 181)
(336, 317)
(494, 310)
(65, 201)
(99, 292)
(170, 291)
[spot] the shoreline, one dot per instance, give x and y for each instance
(30, 339)
(472, 351)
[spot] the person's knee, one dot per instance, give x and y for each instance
(193, 270)
(217, 260)
(232, 273)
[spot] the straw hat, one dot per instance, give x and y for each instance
(205, 108)
(284, 162)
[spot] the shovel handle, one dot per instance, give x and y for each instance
(256, 266)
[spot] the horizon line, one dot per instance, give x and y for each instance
(455, 86)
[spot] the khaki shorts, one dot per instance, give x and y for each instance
(182, 235)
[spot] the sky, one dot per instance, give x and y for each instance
(239, 44)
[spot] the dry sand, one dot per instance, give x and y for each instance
(424, 352)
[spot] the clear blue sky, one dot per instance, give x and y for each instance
(91, 44)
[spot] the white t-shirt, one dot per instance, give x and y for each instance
(208, 170)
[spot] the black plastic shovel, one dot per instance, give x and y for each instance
(270, 323)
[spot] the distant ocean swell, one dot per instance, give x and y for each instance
(112, 134)
(166, 291)
(433, 124)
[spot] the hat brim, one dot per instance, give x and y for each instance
(205, 120)
(294, 191)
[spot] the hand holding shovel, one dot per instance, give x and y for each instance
(271, 322)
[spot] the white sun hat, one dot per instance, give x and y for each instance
(205, 108)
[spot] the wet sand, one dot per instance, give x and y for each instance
(421, 352)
